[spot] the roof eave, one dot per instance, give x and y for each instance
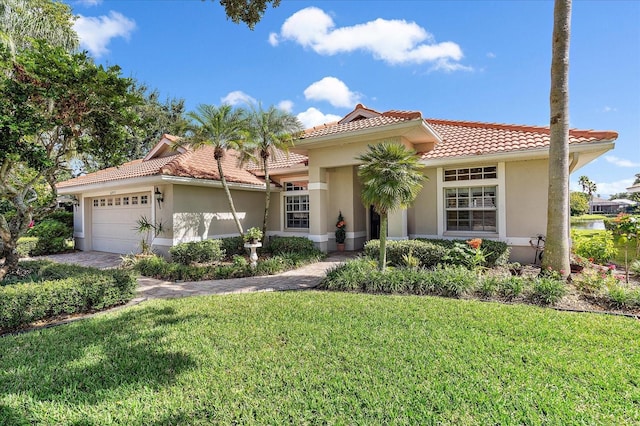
(530, 154)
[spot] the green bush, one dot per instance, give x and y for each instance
(598, 246)
(428, 253)
(233, 246)
(26, 245)
(280, 245)
(61, 215)
(511, 287)
(39, 295)
(489, 286)
(453, 280)
(623, 297)
(348, 276)
(578, 203)
(547, 290)
(52, 235)
(432, 252)
(207, 251)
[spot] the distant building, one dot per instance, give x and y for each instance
(600, 205)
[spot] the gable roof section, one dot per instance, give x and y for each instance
(467, 138)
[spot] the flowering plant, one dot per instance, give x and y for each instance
(341, 233)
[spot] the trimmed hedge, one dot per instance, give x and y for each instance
(52, 234)
(432, 252)
(280, 245)
(50, 289)
(26, 245)
(207, 251)
(233, 246)
(158, 267)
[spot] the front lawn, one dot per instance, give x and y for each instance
(316, 358)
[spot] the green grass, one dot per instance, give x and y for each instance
(324, 358)
(587, 217)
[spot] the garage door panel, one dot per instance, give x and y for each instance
(114, 222)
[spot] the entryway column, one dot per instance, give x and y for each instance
(318, 201)
(397, 226)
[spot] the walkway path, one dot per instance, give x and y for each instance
(298, 279)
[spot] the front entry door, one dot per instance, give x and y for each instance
(374, 224)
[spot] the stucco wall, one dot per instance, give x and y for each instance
(422, 216)
(201, 213)
(526, 198)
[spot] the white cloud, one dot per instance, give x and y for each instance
(448, 66)
(392, 41)
(96, 32)
(273, 39)
(491, 55)
(621, 162)
(238, 97)
(332, 90)
(313, 117)
(285, 105)
(609, 109)
(89, 2)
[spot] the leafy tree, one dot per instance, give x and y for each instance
(21, 21)
(54, 104)
(248, 11)
(222, 128)
(391, 179)
(156, 118)
(578, 203)
(557, 252)
(270, 130)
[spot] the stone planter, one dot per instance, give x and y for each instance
(340, 246)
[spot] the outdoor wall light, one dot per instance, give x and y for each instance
(75, 201)
(159, 197)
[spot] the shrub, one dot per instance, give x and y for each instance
(591, 281)
(511, 287)
(488, 286)
(63, 216)
(428, 253)
(26, 245)
(635, 267)
(233, 246)
(280, 245)
(239, 261)
(207, 251)
(52, 236)
(270, 266)
(624, 297)
(40, 296)
(547, 290)
(348, 276)
(597, 246)
(453, 280)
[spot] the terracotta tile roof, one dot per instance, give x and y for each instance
(391, 117)
(132, 169)
(198, 164)
(465, 138)
(280, 160)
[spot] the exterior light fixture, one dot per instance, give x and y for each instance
(75, 201)
(159, 197)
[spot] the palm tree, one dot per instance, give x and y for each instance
(589, 187)
(556, 255)
(223, 128)
(21, 20)
(391, 179)
(269, 131)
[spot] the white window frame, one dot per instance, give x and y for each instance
(283, 203)
(498, 182)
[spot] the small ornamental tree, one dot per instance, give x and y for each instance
(627, 230)
(54, 105)
(391, 179)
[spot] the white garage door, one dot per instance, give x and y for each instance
(114, 219)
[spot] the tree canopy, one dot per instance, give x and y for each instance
(248, 11)
(55, 105)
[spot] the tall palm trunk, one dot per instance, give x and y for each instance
(557, 249)
(382, 260)
(229, 198)
(267, 196)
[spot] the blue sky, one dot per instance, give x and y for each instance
(459, 60)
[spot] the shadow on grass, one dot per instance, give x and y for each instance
(83, 361)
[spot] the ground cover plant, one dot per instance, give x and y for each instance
(209, 259)
(43, 290)
(325, 358)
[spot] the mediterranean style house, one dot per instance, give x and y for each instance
(483, 180)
